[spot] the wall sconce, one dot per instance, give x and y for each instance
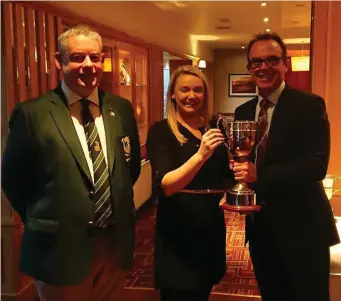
(300, 63)
(202, 64)
(107, 65)
(328, 185)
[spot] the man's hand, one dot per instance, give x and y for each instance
(245, 172)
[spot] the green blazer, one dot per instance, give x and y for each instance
(46, 179)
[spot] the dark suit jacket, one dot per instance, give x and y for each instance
(297, 211)
(47, 180)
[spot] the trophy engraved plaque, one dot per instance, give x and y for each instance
(240, 139)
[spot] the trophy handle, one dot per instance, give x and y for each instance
(260, 140)
(223, 131)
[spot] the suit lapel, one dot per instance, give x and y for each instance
(249, 110)
(252, 111)
(110, 120)
(62, 118)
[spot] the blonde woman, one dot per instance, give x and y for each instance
(187, 160)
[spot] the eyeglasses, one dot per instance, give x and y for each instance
(271, 61)
(79, 57)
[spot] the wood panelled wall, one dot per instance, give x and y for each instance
(156, 84)
(29, 41)
(29, 48)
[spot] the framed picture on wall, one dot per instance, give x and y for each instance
(241, 85)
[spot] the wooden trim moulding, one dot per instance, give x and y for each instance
(176, 53)
(8, 56)
(71, 18)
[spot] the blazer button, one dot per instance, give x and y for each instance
(91, 195)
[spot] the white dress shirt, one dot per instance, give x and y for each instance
(75, 108)
(273, 98)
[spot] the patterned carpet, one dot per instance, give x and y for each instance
(239, 278)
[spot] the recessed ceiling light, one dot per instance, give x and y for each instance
(263, 4)
(267, 30)
(225, 20)
(243, 47)
(266, 20)
(223, 27)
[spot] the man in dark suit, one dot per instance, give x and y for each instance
(70, 163)
(289, 237)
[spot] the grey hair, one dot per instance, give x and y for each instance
(77, 30)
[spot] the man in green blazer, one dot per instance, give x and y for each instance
(51, 177)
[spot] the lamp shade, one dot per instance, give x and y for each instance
(300, 63)
(107, 65)
(328, 185)
(202, 64)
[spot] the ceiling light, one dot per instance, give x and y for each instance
(266, 20)
(263, 4)
(267, 30)
(243, 47)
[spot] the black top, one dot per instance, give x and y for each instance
(190, 228)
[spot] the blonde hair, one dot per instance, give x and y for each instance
(171, 104)
(78, 30)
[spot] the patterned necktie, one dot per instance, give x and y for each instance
(102, 203)
(263, 127)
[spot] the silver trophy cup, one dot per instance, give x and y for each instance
(240, 140)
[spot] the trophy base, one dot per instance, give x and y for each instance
(241, 209)
(241, 201)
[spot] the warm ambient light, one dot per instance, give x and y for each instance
(202, 64)
(107, 65)
(297, 41)
(267, 30)
(266, 20)
(328, 185)
(263, 4)
(204, 37)
(300, 63)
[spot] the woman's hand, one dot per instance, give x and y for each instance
(209, 142)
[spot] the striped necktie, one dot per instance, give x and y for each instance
(101, 189)
(263, 127)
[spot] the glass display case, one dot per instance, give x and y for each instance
(125, 73)
(133, 83)
(125, 64)
(141, 96)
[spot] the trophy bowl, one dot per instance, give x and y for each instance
(240, 140)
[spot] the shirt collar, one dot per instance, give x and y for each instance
(72, 97)
(274, 96)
